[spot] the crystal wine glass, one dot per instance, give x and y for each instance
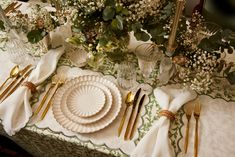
(148, 54)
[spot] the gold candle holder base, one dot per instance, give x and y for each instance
(170, 49)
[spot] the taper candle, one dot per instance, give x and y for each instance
(172, 45)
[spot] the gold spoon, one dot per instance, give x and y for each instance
(128, 101)
(14, 72)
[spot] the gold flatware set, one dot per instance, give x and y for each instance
(12, 7)
(56, 83)
(17, 77)
(135, 111)
(192, 107)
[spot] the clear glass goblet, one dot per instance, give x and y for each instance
(126, 75)
(148, 54)
(95, 61)
(17, 52)
(166, 70)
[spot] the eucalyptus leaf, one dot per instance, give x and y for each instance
(117, 23)
(231, 77)
(144, 36)
(116, 56)
(136, 26)
(206, 45)
(108, 13)
(157, 31)
(167, 11)
(141, 35)
(137, 35)
(216, 37)
(2, 27)
(35, 36)
(159, 40)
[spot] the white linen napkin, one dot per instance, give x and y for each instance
(15, 111)
(156, 142)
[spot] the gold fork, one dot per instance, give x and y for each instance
(58, 84)
(188, 110)
(197, 110)
(44, 98)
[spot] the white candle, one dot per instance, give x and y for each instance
(171, 42)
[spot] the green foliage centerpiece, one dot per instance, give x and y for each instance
(103, 26)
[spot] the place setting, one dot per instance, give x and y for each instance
(87, 104)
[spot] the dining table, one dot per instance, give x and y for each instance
(47, 138)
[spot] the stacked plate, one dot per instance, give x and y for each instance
(87, 104)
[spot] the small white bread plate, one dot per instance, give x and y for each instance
(86, 100)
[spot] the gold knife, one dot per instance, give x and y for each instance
(137, 115)
(19, 83)
(22, 72)
(133, 110)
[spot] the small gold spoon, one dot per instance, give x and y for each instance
(128, 101)
(14, 72)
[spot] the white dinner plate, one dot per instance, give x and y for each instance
(92, 127)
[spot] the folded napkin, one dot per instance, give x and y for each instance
(15, 111)
(156, 142)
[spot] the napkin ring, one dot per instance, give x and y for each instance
(167, 114)
(30, 86)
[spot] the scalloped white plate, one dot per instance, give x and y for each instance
(92, 127)
(67, 112)
(85, 100)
